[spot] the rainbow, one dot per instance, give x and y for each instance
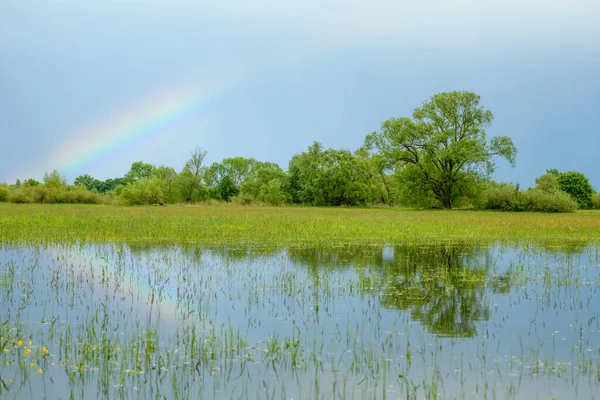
(139, 124)
(148, 120)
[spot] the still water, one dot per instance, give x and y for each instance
(408, 322)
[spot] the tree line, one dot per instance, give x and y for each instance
(441, 157)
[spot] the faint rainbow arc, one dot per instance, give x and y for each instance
(136, 125)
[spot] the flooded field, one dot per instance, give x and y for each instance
(361, 322)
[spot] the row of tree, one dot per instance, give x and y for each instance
(440, 157)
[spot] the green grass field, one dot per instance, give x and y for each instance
(286, 226)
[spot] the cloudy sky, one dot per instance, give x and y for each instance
(90, 87)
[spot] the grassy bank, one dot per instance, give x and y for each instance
(285, 226)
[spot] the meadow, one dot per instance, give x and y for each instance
(286, 226)
(236, 302)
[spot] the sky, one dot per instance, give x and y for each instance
(91, 87)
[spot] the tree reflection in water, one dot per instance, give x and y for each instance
(442, 286)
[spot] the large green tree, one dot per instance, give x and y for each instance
(444, 147)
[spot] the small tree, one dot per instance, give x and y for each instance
(548, 183)
(54, 179)
(190, 179)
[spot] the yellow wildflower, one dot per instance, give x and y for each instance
(30, 343)
(27, 351)
(52, 364)
(41, 371)
(45, 351)
(5, 350)
(20, 343)
(32, 365)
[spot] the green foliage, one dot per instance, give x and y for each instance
(272, 192)
(91, 183)
(227, 189)
(507, 197)
(499, 196)
(332, 178)
(190, 187)
(54, 180)
(578, 186)
(19, 196)
(145, 191)
(4, 192)
(139, 170)
(547, 183)
(80, 195)
(31, 182)
(85, 180)
(55, 195)
(266, 183)
(189, 180)
(235, 169)
(596, 201)
(446, 141)
(167, 179)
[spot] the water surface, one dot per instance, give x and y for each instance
(415, 321)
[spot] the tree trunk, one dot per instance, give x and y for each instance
(447, 203)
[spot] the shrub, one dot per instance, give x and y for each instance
(547, 183)
(80, 195)
(145, 191)
(506, 197)
(18, 196)
(596, 201)
(53, 195)
(3, 193)
(499, 196)
(542, 201)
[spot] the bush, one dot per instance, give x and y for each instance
(3, 193)
(499, 196)
(54, 195)
(542, 201)
(506, 197)
(547, 183)
(80, 195)
(146, 191)
(596, 201)
(19, 196)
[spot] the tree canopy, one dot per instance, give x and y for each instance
(444, 147)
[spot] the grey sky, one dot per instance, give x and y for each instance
(285, 74)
